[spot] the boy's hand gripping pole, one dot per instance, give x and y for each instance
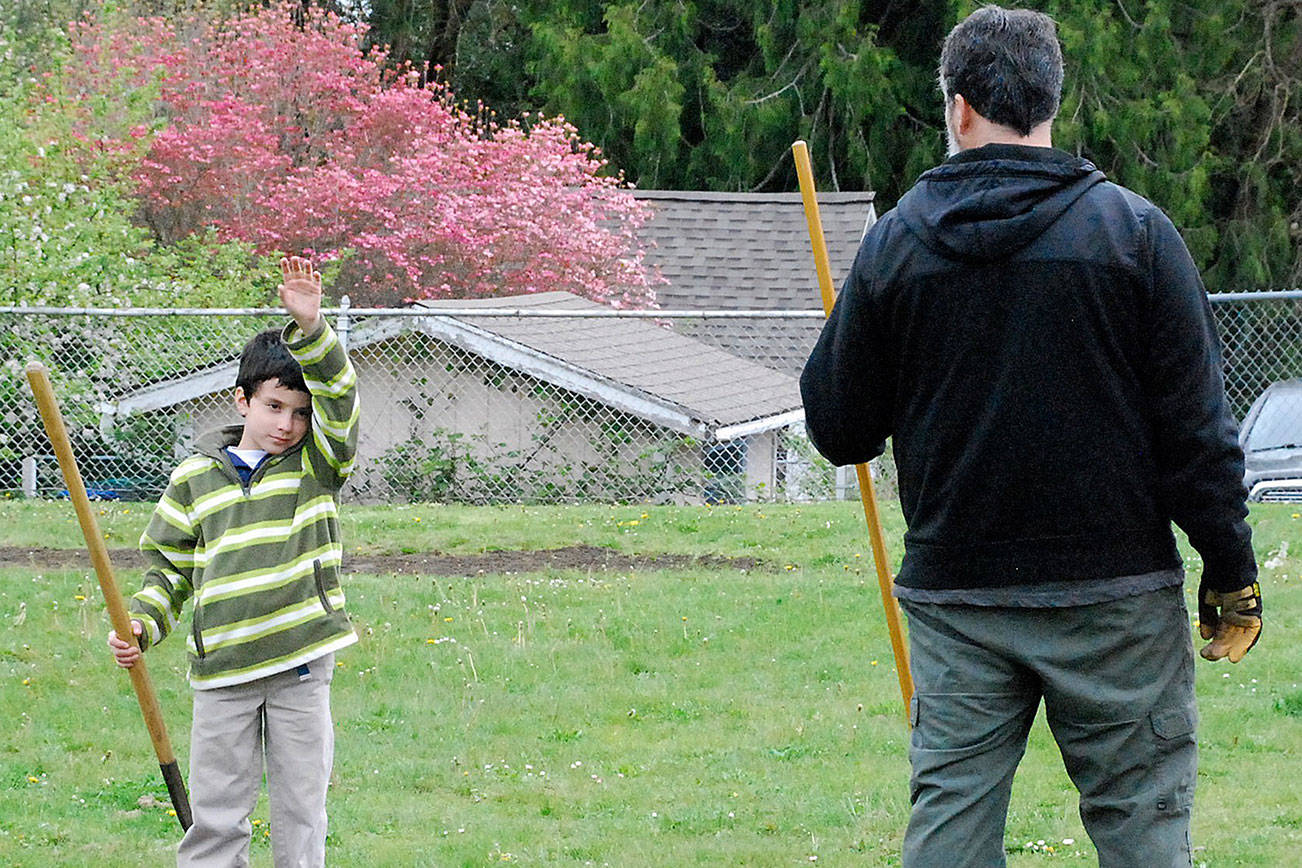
(38, 377)
(866, 493)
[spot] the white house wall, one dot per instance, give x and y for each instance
(430, 390)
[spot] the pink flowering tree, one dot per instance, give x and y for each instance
(293, 139)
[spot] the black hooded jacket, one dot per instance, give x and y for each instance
(1037, 343)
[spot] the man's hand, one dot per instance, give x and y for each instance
(125, 653)
(1231, 619)
(300, 292)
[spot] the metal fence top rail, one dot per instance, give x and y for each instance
(521, 312)
(1282, 294)
(525, 312)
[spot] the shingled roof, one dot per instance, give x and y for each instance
(747, 251)
(639, 365)
(751, 251)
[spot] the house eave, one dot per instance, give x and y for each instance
(758, 426)
(162, 395)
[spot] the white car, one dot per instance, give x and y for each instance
(1271, 437)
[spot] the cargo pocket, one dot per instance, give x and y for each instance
(1173, 723)
(1175, 758)
(318, 574)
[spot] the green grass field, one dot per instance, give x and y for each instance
(691, 716)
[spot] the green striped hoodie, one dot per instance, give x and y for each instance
(261, 562)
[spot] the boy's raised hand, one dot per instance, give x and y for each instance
(300, 292)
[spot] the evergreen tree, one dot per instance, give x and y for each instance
(1192, 103)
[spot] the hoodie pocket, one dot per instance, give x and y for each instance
(195, 632)
(318, 574)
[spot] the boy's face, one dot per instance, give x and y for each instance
(275, 418)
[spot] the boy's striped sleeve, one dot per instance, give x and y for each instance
(168, 545)
(332, 380)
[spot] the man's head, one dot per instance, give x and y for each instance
(271, 395)
(1006, 65)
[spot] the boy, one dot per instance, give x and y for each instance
(248, 526)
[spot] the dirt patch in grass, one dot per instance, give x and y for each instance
(422, 563)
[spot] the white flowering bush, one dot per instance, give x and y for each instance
(68, 236)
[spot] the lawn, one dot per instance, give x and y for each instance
(721, 713)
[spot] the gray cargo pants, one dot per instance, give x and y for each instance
(1117, 684)
(283, 721)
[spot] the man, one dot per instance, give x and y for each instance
(1038, 344)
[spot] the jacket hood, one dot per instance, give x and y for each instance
(212, 443)
(984, 204)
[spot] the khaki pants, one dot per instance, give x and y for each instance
(1117, 683)
(283, 721)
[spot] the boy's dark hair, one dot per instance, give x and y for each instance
(265, 357)
(1007, 64)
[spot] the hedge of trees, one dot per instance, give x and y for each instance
(1193, 103)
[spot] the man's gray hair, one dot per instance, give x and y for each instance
(1007, 64)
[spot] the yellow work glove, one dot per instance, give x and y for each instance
(1231, 619)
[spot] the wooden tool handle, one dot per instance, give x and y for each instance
(39, 378)
(800, 152)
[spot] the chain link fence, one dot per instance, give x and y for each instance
(474, 403)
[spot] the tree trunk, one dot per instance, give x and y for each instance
(446, 17)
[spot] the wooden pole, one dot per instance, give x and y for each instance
(866, 492)
(38, 377)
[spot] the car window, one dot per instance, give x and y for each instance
(1278, 425)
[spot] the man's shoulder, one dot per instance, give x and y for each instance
(886, 230)
(1120, 196)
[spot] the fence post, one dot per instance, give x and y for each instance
(29, 476)
(343, 323)
(843, 484)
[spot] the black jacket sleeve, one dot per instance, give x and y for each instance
(1199, 461)
(848, 383)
